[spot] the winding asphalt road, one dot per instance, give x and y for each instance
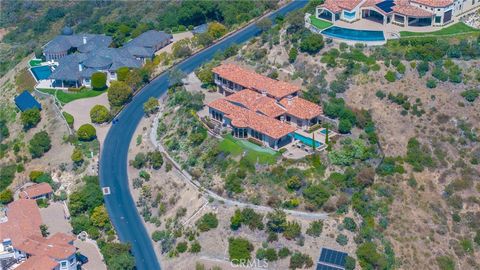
(113, 162)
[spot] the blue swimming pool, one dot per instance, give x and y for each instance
(324, 131)
(353, 34)
(41, 72)
(306, 140)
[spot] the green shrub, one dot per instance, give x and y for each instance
(311, 43)
(470, 95)
(369, 258)
(69, 118)
(30, 118)
(317, 195)
(99, 81)
(292, 55)
(300, 260)
(122, 73)
(349, 224)
(99, 114)
(431, 83)
(315, 228)
(390, 76)
(283, 252)
(119, 93)
(195, 247)
(239, 249)
(268, 254)
(150, 106)
(6, 196)
(7, 174)
(182, 247)
(380, 94)
(39, 144)
(292, 230)
(418, 156)
(342, 239)
(207, 222)
(445, 263)
(86, 132)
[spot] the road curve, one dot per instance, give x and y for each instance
(113, 162)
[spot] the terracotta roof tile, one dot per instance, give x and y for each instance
(23, 228)
(23, 220)
(338, 5)
(301, 108)
(244, 118)
(36, 190)
(257, 102)
(38, 263)
(410, 10)
(40, 246)
(255, 81)
(434, 3)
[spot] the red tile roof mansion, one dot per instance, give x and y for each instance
(260, 107)
(417, 13)
(22, 240)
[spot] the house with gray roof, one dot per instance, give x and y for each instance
(79, 56)
(145, 45)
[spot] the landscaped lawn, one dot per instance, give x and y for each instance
(319, 24)
(254, 152)
(454, 29)
(65, 97)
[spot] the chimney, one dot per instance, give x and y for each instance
(289, 100)
(264, 93)
(80, 68)
(84, 40)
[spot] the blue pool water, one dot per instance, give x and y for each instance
(352, 34)
(41, 72)
(324, 131)
(306, 140)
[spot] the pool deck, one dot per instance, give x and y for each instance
(390, 31)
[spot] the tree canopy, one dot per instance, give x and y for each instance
(119, 93)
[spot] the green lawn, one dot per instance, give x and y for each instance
(254, 152)
(454, 29)
(65, 97)
(319, 24)
(35, 62)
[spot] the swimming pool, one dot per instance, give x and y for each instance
(353, 34)
(41, 72)
(307, 141)
(324, 131)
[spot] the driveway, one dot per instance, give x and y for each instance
(80, 109)
(89, 249)
(54, 217)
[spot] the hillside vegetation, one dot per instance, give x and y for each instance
(30, 24)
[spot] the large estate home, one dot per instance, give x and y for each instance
(78, 56)
(398, 12)
(22, 241)
(260, 107)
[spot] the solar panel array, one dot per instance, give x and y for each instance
(386, 5)
(331, 259)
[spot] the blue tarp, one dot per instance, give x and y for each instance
(26, 101)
